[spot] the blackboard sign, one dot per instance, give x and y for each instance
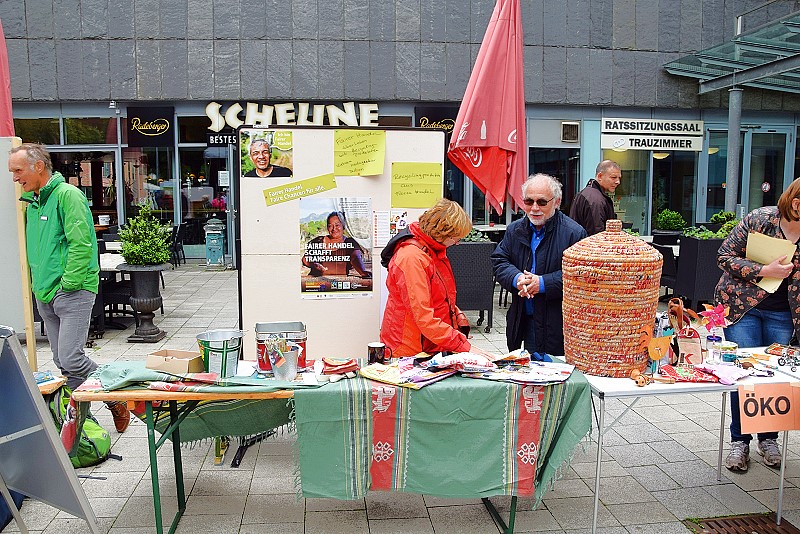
(32, 458)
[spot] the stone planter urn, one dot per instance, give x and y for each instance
(145, 299)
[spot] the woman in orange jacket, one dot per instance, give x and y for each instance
(421, 313)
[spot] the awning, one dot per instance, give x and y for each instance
(767, 57)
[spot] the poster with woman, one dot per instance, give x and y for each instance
(336, 240)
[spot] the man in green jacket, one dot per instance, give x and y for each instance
(64, 263)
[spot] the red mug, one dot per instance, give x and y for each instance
(377, 353)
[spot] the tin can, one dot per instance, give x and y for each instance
(291, 331)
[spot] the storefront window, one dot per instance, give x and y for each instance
(675, 183)
(562, 163)
(93, 173)
(204, 191)
(42, 131)
(631, 196)
(193, 129)
(147, 176)
(90, 131)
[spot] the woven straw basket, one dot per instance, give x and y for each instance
(611, 283)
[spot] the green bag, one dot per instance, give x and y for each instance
(94, 445)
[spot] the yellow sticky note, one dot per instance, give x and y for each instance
(415, 184)
(358, 152)
(295, 190)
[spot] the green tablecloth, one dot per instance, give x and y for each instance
(459, 437)
(210, 419)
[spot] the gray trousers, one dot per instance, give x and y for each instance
(66, 319)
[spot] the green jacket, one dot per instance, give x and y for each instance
(62, 246)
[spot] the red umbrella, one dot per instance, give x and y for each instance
(6, 118)
(491, 121)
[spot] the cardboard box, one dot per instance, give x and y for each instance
(175, 361)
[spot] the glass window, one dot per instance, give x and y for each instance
(562, 163)
(93, 173)
(148, 178)
(675, 182)
(90, 131)
(202, 196)
(43, 131)
(193, 129)
(630, 197)
(718, 171)
(767, 158)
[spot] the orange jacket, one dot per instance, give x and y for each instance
(421, 312)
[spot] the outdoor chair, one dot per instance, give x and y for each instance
(177, 253)
(669, 269)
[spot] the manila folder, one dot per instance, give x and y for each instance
(765, 249)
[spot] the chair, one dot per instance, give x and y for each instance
(177, 253)
(669, 270)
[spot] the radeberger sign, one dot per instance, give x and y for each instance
(651, 134)
(290, 114)
(150, 126)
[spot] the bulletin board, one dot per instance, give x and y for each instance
(380, 179)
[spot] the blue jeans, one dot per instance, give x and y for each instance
(757, 328)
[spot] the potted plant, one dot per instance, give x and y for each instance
(667, 227)
(717, 220)
(145, 248)
(472, 270)
(698, 272)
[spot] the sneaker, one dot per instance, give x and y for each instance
(738, 457)
(768, 448)
(121, 415)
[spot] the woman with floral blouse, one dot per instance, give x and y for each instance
(758, 317)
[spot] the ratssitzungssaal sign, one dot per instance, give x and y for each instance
(651, 134)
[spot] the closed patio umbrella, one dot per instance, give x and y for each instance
(489, 143)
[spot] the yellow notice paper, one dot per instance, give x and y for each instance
(416, 185)
(765, 249)
(295, 190)
(358, 152)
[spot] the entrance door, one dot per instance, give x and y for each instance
(764, 177)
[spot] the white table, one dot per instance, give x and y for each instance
(488, 228)
(604, 388)
(109, 262)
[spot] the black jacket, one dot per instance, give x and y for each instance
(592, 208)
(513, 255)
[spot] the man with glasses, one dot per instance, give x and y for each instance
(527, 262)
(593, 205)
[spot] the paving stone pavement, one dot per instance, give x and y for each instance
(659, 462)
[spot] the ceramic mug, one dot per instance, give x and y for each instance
(377, 353)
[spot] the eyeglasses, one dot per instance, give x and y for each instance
(539, 201)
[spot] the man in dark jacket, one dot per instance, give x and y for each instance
(527, 262)
(593, 206)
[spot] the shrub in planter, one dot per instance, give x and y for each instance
(669, 220)
(144, 240)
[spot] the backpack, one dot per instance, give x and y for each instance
(94, 445)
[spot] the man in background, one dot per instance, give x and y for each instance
(261, 155)
(527, 262)
(64, 263)
(593, 205)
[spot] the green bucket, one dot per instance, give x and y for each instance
(221, 350)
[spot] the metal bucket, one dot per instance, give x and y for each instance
(294, 331)
(221, 350)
